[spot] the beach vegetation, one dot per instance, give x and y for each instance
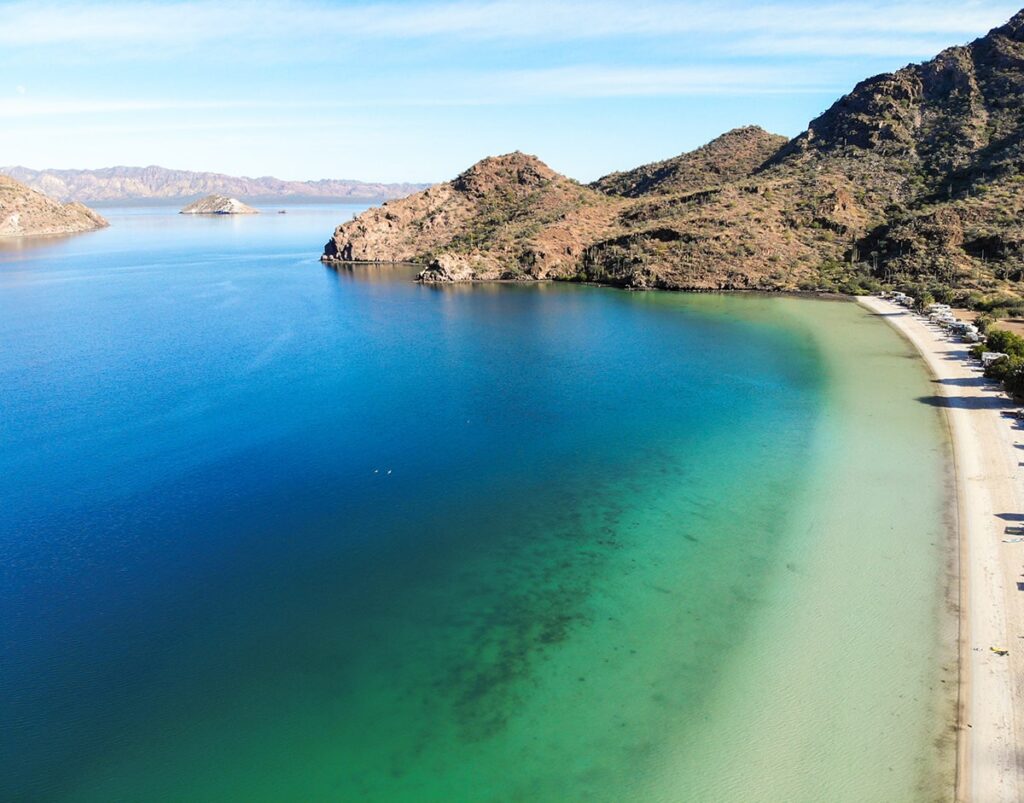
(1000, 369)
(1005, 342)
(1008, 370)
(1013, 380)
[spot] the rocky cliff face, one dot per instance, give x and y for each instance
(913, 174)
(135, 183)
(958, 113)
(947, 138)
(218, 205)
(25, 212)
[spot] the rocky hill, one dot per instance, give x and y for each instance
(218, 205)
(914, 175)
(732, 156)
(506, 217)
(139, 183)
(25, 212)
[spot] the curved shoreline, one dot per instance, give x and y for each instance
(987, 466)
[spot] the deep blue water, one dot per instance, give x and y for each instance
(253, 509)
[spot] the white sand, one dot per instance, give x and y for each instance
(988, 450)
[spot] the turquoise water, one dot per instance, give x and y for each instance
(277, 532)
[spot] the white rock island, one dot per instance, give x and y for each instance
(218, 205)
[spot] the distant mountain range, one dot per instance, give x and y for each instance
(141, 183)
(915, 176)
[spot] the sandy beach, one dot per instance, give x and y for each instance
(988, 446)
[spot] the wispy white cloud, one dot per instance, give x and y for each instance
(832, 46)
(605, 82)
(457, 89)
(121, 128)
(22, 106)
(321, 25)
(572, 19)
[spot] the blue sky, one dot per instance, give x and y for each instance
(417, 91)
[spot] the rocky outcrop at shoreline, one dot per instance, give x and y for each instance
(914, 175)
(25, 212)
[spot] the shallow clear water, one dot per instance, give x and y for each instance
(273, 531)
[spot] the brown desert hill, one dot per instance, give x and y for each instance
(730, 157)
(25, 212)
(506, 217)
(512, 217)
(914, 175)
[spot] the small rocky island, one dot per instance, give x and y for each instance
(25, 212)
(218, 205)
